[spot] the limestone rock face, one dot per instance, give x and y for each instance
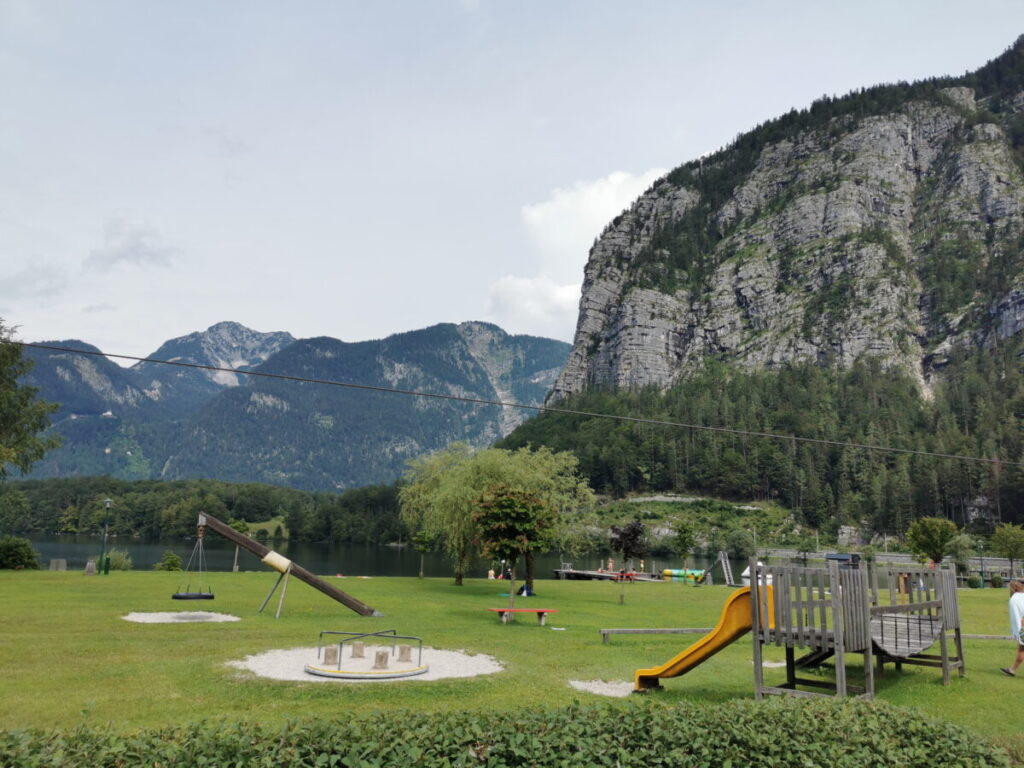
(866, 234)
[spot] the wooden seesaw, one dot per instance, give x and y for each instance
(284, 567)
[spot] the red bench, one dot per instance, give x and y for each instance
(505, 614)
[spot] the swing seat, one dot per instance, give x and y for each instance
(192, 596)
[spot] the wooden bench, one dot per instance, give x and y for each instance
(505, 614)
(686, 631)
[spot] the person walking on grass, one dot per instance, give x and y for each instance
(1016, 624)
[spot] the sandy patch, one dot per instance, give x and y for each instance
(603, 688)
(288, 665)
(178, 617)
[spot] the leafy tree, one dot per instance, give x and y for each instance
(435, 502)
(511, 523)
(804, 546)
(1008, 542)
(443, 492)
(423, 542)
(684, 537)
(929, 537)
(22, 416)
(631, 540)
(961, 549)
(17, 553)
(740, 543)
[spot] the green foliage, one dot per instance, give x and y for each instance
(974, 581)
(155, 509)
(844, 734)
(169, 562)
(119, 559)
(684, 537)
(17, 553)
(511, 523)
(22, 416)
(997, 580)
(443, 491)
(629, 539)
(961, 549)
(1008, 542)
(930, 537)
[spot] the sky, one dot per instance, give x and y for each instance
(356, 169)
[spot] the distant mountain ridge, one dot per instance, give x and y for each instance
(154, 420)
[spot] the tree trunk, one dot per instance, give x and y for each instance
(529, 570)
(458, 576)
(421, 565)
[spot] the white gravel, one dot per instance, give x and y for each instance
(180, 616)
(603, 688)
(288, 665)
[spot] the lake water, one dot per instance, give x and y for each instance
(320, 558)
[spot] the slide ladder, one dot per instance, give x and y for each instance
(723, 558)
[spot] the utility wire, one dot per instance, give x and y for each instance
(538, 408)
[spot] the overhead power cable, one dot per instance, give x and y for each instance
(538, 408)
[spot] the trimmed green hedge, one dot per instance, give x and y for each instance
(787, 733)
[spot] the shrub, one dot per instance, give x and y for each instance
(997, 580)
(780, 732)
(169, 562)
(974, 581)
(120, 560)
(17, 553)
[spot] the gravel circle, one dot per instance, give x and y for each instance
(603, 688)
(288, 665)
(179, 617)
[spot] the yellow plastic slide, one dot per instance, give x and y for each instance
(733, 624)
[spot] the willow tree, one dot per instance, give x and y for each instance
(444, 491)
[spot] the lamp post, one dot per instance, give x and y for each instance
(981, 556)
(103, 549)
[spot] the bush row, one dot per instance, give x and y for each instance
(776, 733)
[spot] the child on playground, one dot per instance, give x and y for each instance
(1016, 607)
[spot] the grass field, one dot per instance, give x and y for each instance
(69, 658)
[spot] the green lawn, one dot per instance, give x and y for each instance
(69, 658)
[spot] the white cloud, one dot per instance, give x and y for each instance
(129, 244)
(534, 305)
(562, 229)
(564, 226)
(36, 280)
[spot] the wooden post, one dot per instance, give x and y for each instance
(405, 653)
(331, 654)
(755, 624)
(284, 588)
(837, 629)
(358, 650)
(380, 660)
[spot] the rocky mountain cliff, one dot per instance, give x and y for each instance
(164, 421)
(888, 223)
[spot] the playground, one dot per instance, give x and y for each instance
(67, 641)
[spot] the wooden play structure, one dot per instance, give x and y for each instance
(836, 611)
(833, 612)
(283, 566)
